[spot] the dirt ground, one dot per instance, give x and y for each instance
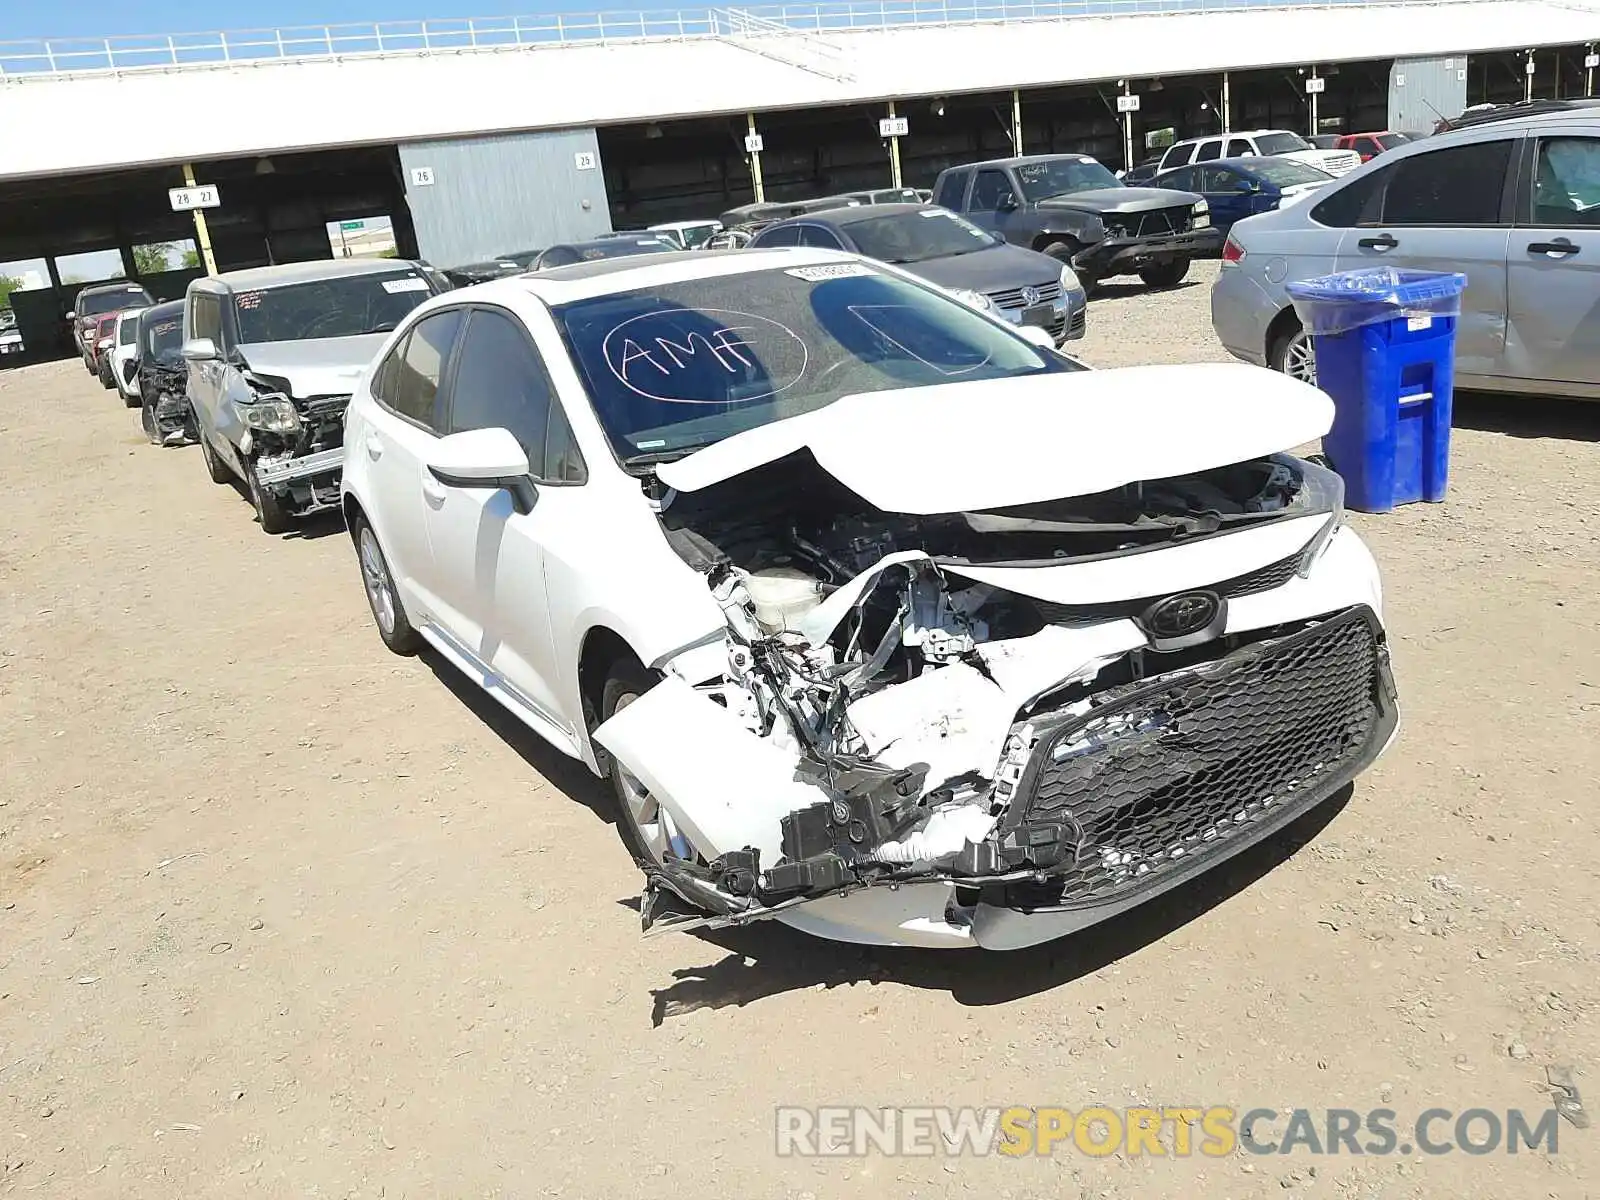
(282, 914)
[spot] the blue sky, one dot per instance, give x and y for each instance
(107, 18)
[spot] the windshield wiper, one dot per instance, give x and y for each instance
(381, 327)
(637, 464)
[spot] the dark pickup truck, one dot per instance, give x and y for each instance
(1073, 209)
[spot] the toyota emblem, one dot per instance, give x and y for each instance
(1185, 618)
(1030, 296)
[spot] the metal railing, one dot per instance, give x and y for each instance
(56, 57)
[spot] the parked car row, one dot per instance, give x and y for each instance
(843, 580)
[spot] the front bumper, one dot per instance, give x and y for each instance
(1065, 316)
(275, 473)
(1118, 255)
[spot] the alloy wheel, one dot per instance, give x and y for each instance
(375, 577)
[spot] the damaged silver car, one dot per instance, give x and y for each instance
(884, 620)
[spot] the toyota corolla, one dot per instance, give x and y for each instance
(882, 618)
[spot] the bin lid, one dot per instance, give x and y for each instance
(1350, 299)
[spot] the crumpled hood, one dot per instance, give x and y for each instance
(1120, 200)
(318, 367)
(970, 446)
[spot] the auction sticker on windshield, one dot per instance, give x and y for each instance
(411, 284)
(830, 271)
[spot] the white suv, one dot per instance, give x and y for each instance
(884, 619)
(1259, 143)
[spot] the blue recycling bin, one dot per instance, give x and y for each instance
(1385, 340)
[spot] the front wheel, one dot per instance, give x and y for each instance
(1165, 275)
(147, 419)
(645, 827)
(270, 511)
(382, 596)
(1062, 252)
(1292, 353)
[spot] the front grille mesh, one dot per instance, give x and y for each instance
(1151, 224)
(1012, 297)
(1162, 772)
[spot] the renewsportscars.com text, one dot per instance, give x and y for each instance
(1179, 1131)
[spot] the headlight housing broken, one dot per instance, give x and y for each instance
(271, 414)
(1321, 490)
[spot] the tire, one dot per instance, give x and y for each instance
(215, 467)
(631, 803)
(1062, 252)
(147, 422)
(1291, 353)
(270, 512)
(1166, 275)
(383, 598)
(104, 374)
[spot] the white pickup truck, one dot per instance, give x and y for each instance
(1256, 143)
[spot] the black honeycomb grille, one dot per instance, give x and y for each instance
(1163, 772)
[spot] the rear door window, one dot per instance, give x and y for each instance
(1180, 154)
(415, 391)
(1210, 150)
(1460, 185)
(952, 186)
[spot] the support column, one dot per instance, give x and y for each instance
(1227, 105)
(894, 153)
(752, 145)
(1527, 74)
(1016, 121)
(1127, 130)
(1589, 65)
(202, 234)
(1314, 86)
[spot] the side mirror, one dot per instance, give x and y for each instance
(1008, 203)
(1037, 335)
(484, 458)
(1247, 185)
(199, 350)
(69, 315)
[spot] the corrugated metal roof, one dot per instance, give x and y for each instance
(281, 106)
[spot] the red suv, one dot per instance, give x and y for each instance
(1370, 145)
(92, 304)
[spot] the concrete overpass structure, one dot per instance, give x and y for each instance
(482, 137)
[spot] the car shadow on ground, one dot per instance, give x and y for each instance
(768, 959)
(308, 529)
(561, 771)
(1527, 416)
(1119, 288)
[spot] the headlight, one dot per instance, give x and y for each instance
(1321, 490)
(271, 414)
(1069, 281)
(103, 344)
(975, 300)
(1200, 215)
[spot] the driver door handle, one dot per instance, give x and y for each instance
(374, 446)
(1562, 246)
(1383, 241)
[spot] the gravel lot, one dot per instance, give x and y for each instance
(284, 915)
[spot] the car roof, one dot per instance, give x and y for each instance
(160, 312)
(1534, 112)
(685, 224)
(609, 239)
(258, 278)
(853, 216)
(583, 281)
(1024, 159)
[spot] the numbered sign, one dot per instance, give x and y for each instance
(892, 127)
(753, 143)
(585, 160)
(422, 176)
(185, 198)
(1315, 84)
(1127, 104)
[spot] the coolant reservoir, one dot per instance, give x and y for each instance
(782, 595)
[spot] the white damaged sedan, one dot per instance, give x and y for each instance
(882, 619)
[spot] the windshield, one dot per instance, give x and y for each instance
(1287, 173)
(1390, 140)
(686, 364)
(127, 330)
(1058, 177)
(104, 302)
(163, 338)
(695, 236)
(919, 236)
(1281, 143)
(342, 306)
